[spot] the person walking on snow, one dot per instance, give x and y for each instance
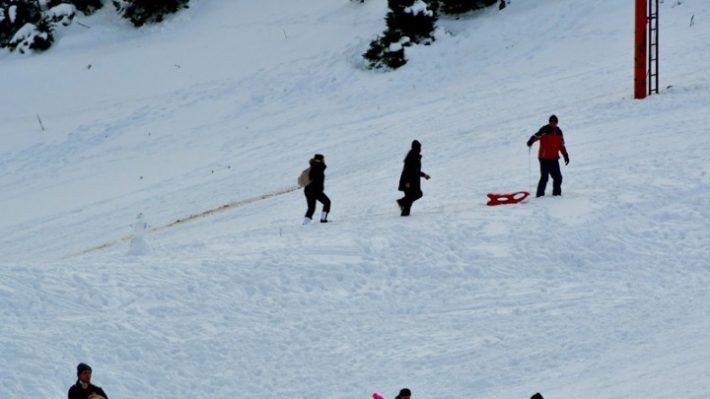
(314, 190)
(84, 389)
(552, 143)
(410, 180)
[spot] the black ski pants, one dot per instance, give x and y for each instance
(312, 197)
(409, 197)
(550, 167)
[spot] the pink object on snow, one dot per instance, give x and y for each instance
(377, 396)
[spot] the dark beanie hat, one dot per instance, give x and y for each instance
(318, 157)
(405, 391)
(81, 368)
(416, 144)
(537, 396)
(553, 118)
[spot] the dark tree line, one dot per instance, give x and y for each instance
(462, 6)
(412, 22)
(29, 25)
(140, 12)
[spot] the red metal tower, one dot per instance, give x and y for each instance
(646, 48)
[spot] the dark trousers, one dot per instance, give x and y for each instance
(312, 197)
(409, 197)
(550, 167)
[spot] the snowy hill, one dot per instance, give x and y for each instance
(601, 293)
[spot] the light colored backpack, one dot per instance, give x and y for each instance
(305, 179)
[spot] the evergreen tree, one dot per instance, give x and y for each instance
(44, 36)
(26, 27)
(87, 7)
(140, 12)
(383, 54)
(14, 14)
(415, 19)
(462, 6)
(408, 22)
(33, 37)
(61, 13)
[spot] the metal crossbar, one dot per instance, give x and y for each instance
(653, 46)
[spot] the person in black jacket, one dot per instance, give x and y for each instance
(410, 180)
(84, 389)
(404, 393)
(314, 190)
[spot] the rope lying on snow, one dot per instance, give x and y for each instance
(190, 218)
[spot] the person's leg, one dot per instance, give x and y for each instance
(402, 202)
(556, 177)
(311, 202)
(326, 206)
(409, 197)
(542, 184)
(415, 196)
(405, 203)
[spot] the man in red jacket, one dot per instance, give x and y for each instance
(552, 143)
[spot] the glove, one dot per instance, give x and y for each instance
(566, 159)
(530, 142)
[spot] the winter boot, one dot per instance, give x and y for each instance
(306, 220)
(400, 205)
(324, 217)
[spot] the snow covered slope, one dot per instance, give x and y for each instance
(601, 293)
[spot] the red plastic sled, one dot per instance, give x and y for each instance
(505, 199)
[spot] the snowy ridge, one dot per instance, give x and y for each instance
(601, 293)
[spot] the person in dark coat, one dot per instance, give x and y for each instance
(552, 143)
(410, 180)
(84, 389)
(404, 393)
(314, 190)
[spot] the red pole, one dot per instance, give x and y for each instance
(640, 51)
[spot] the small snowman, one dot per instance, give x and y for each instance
(138, 245)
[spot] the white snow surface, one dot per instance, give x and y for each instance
(12, 12)
(600, 293)
(419, 7)
(63, 13)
